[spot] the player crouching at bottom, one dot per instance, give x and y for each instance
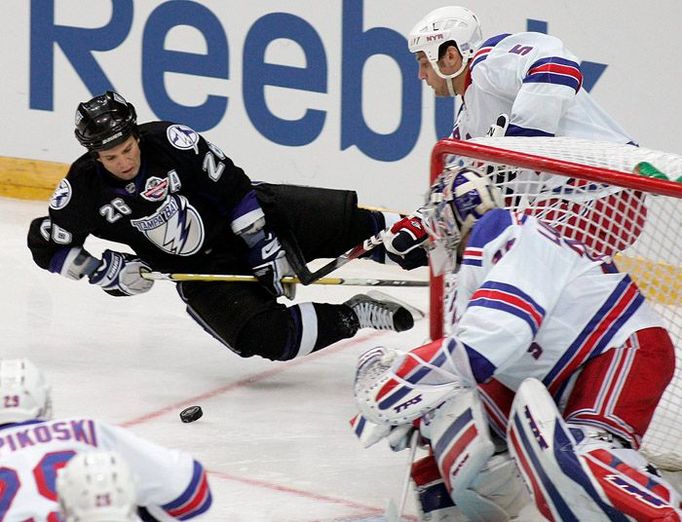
(552, 351)
(181, 205)
(171, 485)
(97, 486)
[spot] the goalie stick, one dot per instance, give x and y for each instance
(393, 514)
(236, 278)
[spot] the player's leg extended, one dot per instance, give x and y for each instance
(576, 474)
(249, 321)
(323, 223)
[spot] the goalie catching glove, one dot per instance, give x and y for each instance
(121, 274)
(405, 242)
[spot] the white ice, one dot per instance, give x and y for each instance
(274, 437)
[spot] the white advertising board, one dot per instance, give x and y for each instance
(317, 92)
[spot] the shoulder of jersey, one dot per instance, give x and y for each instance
(491, 225)
(168, 134)
(83, 172)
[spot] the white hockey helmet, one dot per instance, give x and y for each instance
(24, 392)
(97, 486)
(456, 201)
(451, 23)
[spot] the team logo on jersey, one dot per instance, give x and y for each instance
(182, 137)
(175, 227)
(61, 196)
(155, 189)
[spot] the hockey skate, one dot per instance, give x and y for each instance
(380, 314)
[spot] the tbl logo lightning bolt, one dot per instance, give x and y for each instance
(176, 227)
(61, 196)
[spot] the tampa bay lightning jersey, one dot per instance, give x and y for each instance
(176, 214)
(530, 303)
(538, 83)
(169, 483)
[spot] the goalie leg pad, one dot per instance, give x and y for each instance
(463, 448)
(570, 479)
(433, 500)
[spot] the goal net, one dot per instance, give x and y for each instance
(607, 196)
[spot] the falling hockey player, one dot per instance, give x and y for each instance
(553, 354)
(182, 205)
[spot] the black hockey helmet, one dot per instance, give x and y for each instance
(105, 121)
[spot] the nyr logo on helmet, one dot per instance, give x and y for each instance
(61, 196)
(175, 227)
(183, 137)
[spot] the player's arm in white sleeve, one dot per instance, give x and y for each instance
(506, 310)
(550, 79)
(171, 484)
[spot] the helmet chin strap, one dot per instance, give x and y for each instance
(449, 77)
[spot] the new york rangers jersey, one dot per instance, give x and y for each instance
(169, 483)
(529, 303)
(538, 83)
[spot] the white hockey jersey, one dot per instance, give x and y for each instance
(170, 483)
(537, 82)
(528, 303)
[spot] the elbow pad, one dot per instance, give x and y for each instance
(247, 216)
(73, 263)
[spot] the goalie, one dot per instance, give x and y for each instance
(553, 353)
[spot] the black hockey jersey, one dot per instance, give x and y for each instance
(175, 214)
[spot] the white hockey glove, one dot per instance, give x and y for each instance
(269, 263)
(369, 432)
(120, 274)
(499, 128)
(405, 242)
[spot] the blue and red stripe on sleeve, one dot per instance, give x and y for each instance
(510, 299)
(195, 500)
(555, 70)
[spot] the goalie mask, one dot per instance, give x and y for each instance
(452, 23)
(24, 393)
(97, 487)
(105, 121)
(457, 200)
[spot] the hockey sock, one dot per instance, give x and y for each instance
(334, 323)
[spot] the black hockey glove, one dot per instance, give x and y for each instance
(269, 263)
(405, 243)
(120, 274)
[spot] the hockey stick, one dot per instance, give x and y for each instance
(392, 513)
(236, 278)
(306, 277)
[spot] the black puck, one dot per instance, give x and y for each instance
(191, 414)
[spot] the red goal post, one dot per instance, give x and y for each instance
(594, 192)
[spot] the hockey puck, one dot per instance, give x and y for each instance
(191, 414)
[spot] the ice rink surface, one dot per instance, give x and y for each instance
(274, 437)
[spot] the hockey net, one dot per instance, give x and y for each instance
(595, 192)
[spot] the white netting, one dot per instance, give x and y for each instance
(639, 228)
